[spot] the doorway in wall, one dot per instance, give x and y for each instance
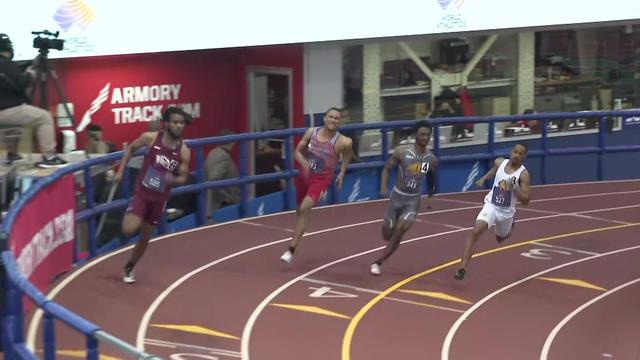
(269, 102)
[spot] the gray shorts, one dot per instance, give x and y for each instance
(402, 207)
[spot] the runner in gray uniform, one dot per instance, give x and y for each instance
(414, 162)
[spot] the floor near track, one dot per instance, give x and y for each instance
(565, 286)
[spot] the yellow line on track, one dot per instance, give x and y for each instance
(353, 324)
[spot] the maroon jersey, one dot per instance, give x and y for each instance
(159, 162)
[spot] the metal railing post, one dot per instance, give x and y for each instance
(91, 222)
(289, 195)
(49, 337)
(436, 152)
(244, 165)
(491, 137)
(545, 151)
(602, 128)
(92, 348)
(202, 211)
(385, 144)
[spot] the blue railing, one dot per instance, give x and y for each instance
(16, 285)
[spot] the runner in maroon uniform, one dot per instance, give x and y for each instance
(165, 164)
(317, 156)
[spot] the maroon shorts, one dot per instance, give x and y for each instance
(314, 186)
(148, 210)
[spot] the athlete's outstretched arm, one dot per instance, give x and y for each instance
(345, 152)
(491, 173)
(524, 193)
(431, 180)
(297, 154)
(183, 171)
(146, 139)
(384, 177)
(431, 177)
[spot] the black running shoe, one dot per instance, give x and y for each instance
(52, 162)
(460, 274)
(13, 157)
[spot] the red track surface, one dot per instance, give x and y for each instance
(222, 293)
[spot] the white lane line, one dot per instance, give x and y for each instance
(554, 198)
(266, 226)
(575, 214)
(567, 248)
(441, 224)
(376, 292)
(246, 333)
(579, 215)
(587, 195)
(552, 335)
(617, 208)
(452, 331)
(214, 351)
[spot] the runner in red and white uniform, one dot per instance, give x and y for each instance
(317, 156)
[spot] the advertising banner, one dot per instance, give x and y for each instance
(42, 237)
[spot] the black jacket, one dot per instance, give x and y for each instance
(13, 84)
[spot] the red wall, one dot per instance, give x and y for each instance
(214, 78)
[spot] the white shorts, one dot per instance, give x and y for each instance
(501, 220)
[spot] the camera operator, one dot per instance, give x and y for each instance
(15, 110)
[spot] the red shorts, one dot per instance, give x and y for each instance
(314, 186)
(148, 210)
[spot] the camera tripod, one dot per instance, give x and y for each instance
(44, 71)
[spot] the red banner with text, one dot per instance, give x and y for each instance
(42, 237)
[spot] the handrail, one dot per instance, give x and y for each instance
(52, 310)
(17, 284)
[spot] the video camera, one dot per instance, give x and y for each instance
(46, 40)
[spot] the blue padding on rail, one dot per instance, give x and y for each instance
(621, 148)
(42, 301)
(23, 352)
(20, 281)
(71, 319)
(574, 151)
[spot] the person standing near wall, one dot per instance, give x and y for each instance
(511, 181)
(165, 164)
(15, 109)
(414, 162)
(317, 156)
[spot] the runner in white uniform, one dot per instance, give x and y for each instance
(511, 182)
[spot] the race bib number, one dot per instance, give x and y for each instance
(411, 184)
(424, 168)
(501, 197)
(316, 165)
(154, 180)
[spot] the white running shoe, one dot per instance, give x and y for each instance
(376, 269)
(128, 277)
(287, 257)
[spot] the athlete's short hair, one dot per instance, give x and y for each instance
(166, 115)
(423, 124)
(333, 108)
(526, 148)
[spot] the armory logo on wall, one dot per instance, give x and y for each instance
(134, 104)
